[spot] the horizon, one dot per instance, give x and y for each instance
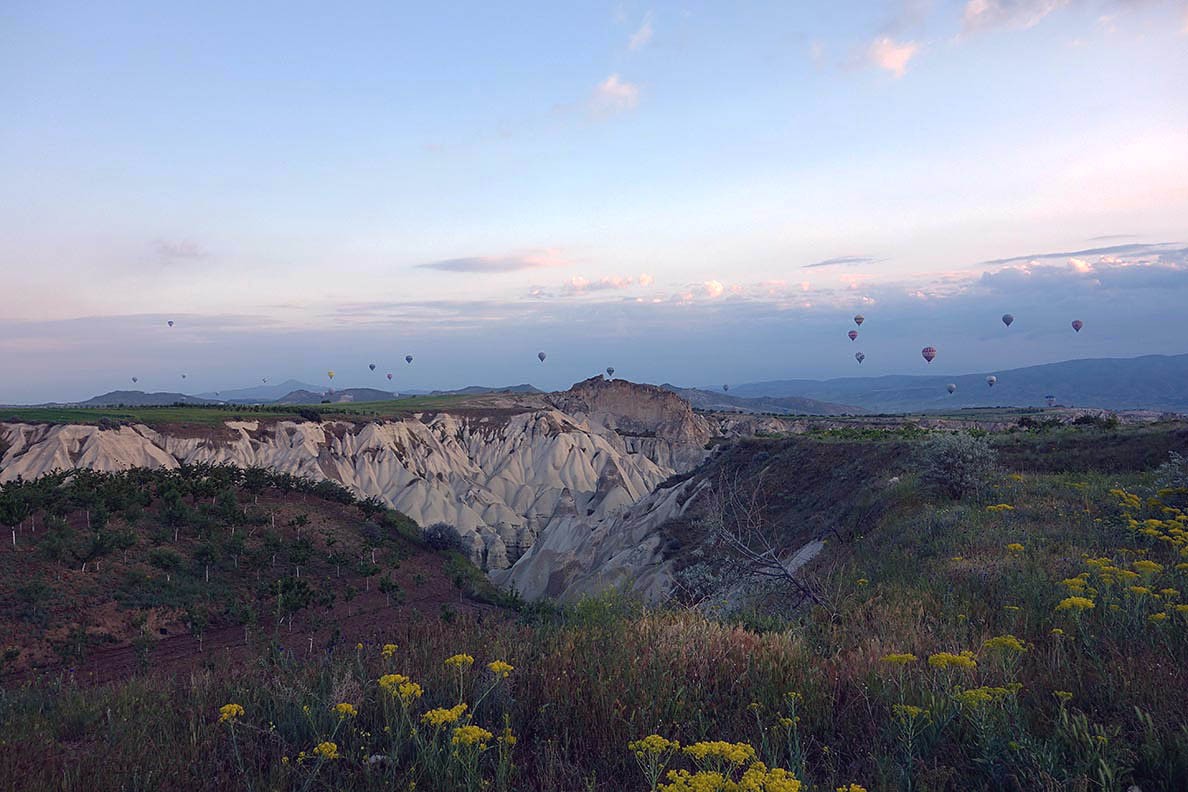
(688, 193)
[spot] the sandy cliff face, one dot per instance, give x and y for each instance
(501, 480)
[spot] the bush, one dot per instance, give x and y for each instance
(1172, 474)
(309, 414)
(956, 465)
(442, 536)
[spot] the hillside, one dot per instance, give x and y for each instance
(346, 395)
(717, 401)
(109, 573)
(140, 399)
(259, 394)
(1155, 382)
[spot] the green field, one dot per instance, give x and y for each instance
(217, 414)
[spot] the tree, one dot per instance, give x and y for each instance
(956, 465)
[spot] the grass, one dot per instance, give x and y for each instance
(217, 414)
(1048, 697)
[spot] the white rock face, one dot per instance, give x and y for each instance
(500, 481)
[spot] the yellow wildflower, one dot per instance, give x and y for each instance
(1000, 507)
(460, 661)
(506, 737)
(1170, 593)
(1157, 617)
(1147, 566)
(471, 735)
(1141, 591)
(908, 711)
(733, 753)
(345, 710)
(947, 659)
(858, 787)
(390, 683)
(1075, 604)
(1063, 695)
(359, 646)
(409, 692)
(440, 717)
(900, 658)
(327, 750)
(1005, 642)
(1015, 547)
(500, 669)
(861, 581)
(1057, 631)
(976, 697)
(389, 650)
(229, 712)
(1182, 609)
(653, 744)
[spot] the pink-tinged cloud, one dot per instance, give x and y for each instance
(614, 95)
(579, 285)
(180, 250)
(891, 55)
(983, 14)
(540, 259)
(646, 280)
(640, 38)
(713, 289)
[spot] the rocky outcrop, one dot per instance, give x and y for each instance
(501, 478)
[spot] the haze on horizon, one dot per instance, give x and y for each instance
(687, 192)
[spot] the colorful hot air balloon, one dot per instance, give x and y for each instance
(853, 334)
(610, 371)
(859, 357)
(330, 374)
(859, 319)
(541, 356)
(408, 358)
(725, 388)
(928, 353)
(371, 366)
(1007, 319)
(951, 387)
(1077, 325)
(136, 379)
(389, 376)
(170, 323)
(991, 380)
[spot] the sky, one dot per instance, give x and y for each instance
(692, 192)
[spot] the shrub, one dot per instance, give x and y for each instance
(309, 414)
(956, 465)
(442, 536)
(1172, 474)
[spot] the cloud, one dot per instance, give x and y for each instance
(893, 56)
(987, 14)
(646, 280)
(499, 264)
(1128, 250)
(1108, 237)
(713, 289)
(578, 285)
(640, 38)
(844, 261)
(179, 250)
(614, 95)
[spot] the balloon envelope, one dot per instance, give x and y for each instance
(541, 356)
(951, 387)
(610, 371)
(859, 357)
(725, 387)
(170, 323)
(1077, 325)
(928, 353)
(853, 334)
(136, 379)
(991, 380)
(371, 366)
(408, 358)
(1007, 319)
(330, 374)
(389, 376)
(859, 319)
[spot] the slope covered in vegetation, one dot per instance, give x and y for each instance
(1025, 631)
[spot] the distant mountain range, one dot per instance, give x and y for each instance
(779, 405)
(305, 396)
(260, 394)
(1153, 382)
(139, 399)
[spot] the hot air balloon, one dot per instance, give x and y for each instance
(610, 371)
(991, 380)
(1007, 319)
(853, 334)
(541, 356)
(859, 357)
(929, 353)
(330, 374)
(170, 323)
(183, 376)
(1077, 325)
(725, 388)
(408, 358)
(371, 366)
(951, 387)
(264, 379)
(136, 379)
(859, 319)
(389, 376)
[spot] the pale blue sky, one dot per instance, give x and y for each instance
(303, 187)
